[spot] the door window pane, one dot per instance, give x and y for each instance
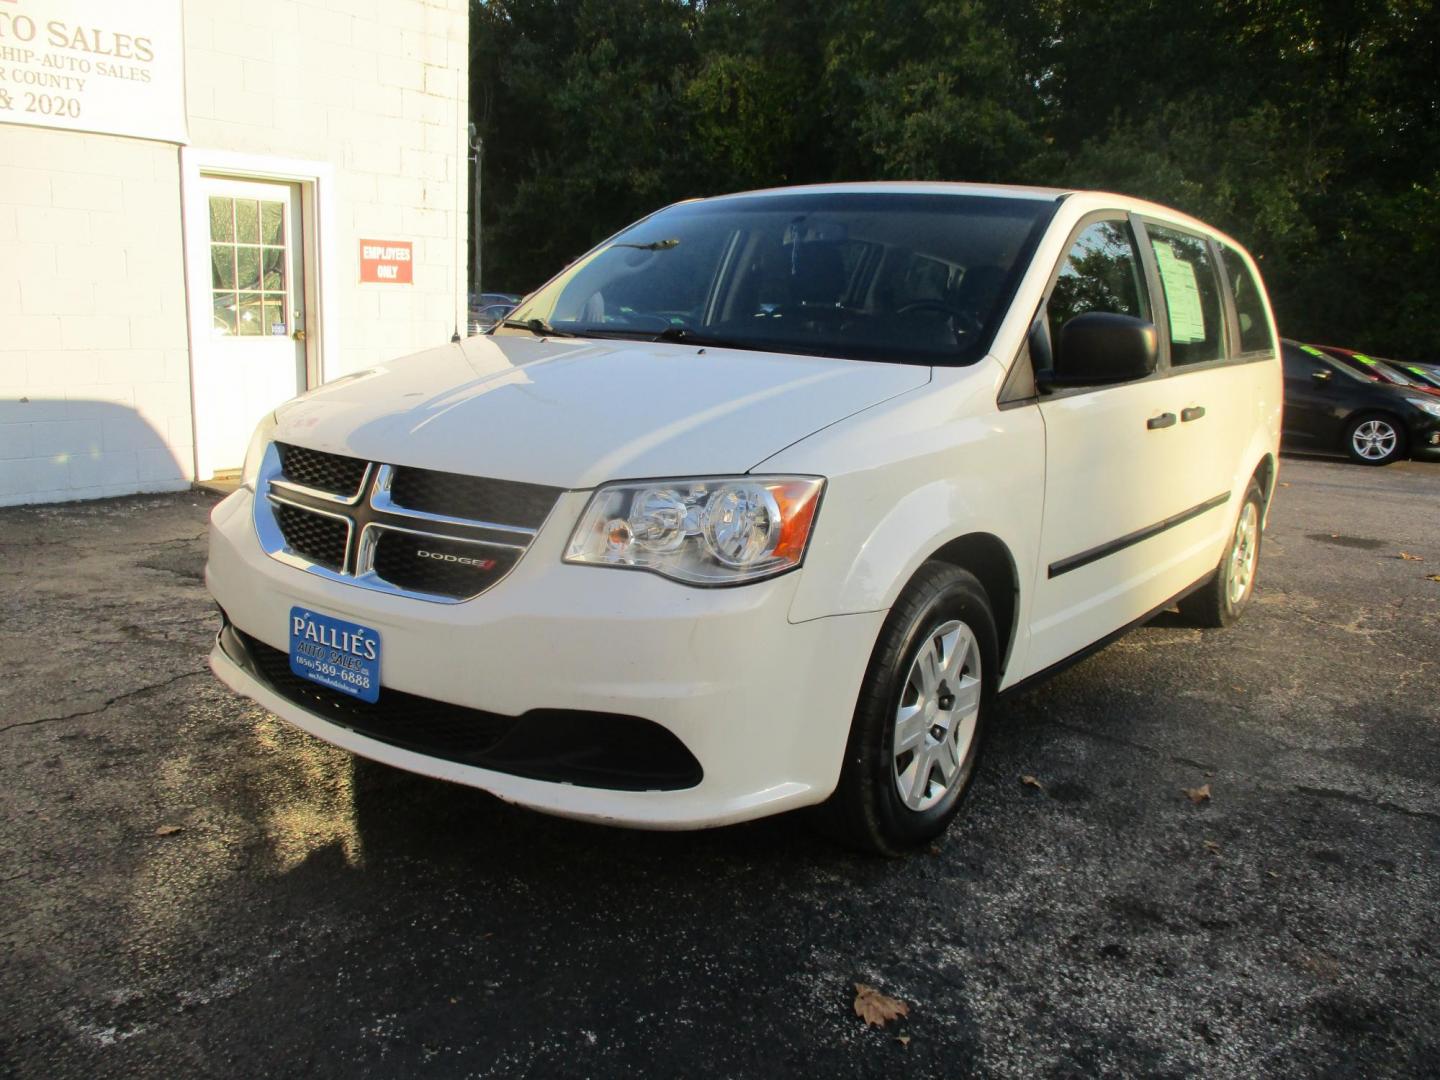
(272, 223)
(222, 266)
(224, 324)
(247, 221)
(222, 219)
(274, 274)
(249, 314)
(1192, 295)
(1101, 273)
(247, 268)
(1249, 307)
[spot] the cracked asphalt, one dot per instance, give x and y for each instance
(190, 887)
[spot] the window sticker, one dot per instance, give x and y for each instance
(1312, 351)
(1363, 358)
(1182, 295)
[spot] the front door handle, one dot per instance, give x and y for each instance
(1166, 419)
(1194, 412)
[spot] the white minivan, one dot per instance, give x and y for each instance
(759, 504)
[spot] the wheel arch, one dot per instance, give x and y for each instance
(989, 558)
(1266, 475)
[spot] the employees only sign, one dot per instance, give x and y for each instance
(94, 65)
(386, 261)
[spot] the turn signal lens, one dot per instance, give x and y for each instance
(720, 531)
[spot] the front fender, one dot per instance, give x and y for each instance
(907, 478)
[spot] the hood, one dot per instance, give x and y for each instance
(575, 413)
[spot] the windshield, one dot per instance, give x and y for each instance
(875, 276)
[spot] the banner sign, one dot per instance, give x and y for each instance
(386, 261)
(94, 65)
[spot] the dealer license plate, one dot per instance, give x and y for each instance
(344, 656)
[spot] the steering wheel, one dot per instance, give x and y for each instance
(963, 321)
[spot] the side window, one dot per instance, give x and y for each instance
(1249, 307)
(1192, 295)
(1100, 273)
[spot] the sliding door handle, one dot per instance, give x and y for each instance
(1166, 419)
(1194, 412)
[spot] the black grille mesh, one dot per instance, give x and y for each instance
(603, 750)
(324, 472)
(435, 727)
(319, 539)
(475, 497)
(398, 560)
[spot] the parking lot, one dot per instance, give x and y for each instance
(190, 887)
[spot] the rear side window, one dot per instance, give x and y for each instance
(1249, 307)
(1192, 295)
(1101, 272)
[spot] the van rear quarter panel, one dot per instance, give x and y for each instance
(909, 476)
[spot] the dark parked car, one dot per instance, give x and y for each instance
(1378, 368)
(1427, 373)
(1330, 406)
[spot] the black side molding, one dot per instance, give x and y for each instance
(1085, 558)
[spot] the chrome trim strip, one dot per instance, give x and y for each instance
(380, 499)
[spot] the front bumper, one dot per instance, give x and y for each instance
(763, 704)
(1425, 440)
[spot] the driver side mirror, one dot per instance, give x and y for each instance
(1101, 347)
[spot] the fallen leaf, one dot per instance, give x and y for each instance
(1238, 689)
(876, 1008)
(1197, 795)
(1284, 484)
(1211, 846)
(169, 830)
(903, 1040)
(1411, 558)
(1030, 781)
(1432, 577)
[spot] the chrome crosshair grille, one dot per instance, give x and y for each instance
(433, 535)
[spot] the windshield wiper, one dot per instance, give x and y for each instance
(655, 245)
(538, 327)
(686, 336)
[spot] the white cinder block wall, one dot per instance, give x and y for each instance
(95, 395)
(94, 356)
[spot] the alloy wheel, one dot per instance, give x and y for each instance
(936, 719)
(1374, 440)
(1240, 574)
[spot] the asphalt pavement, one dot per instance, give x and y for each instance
(188, 887)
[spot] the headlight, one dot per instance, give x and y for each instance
(714, 531)
(255, 453)
(1429, 405)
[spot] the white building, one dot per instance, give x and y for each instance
(207, 206)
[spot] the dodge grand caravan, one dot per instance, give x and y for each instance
(759, 504)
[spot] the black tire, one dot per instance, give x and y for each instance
(1214, 603)
(1383, 420)
(866, 811)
